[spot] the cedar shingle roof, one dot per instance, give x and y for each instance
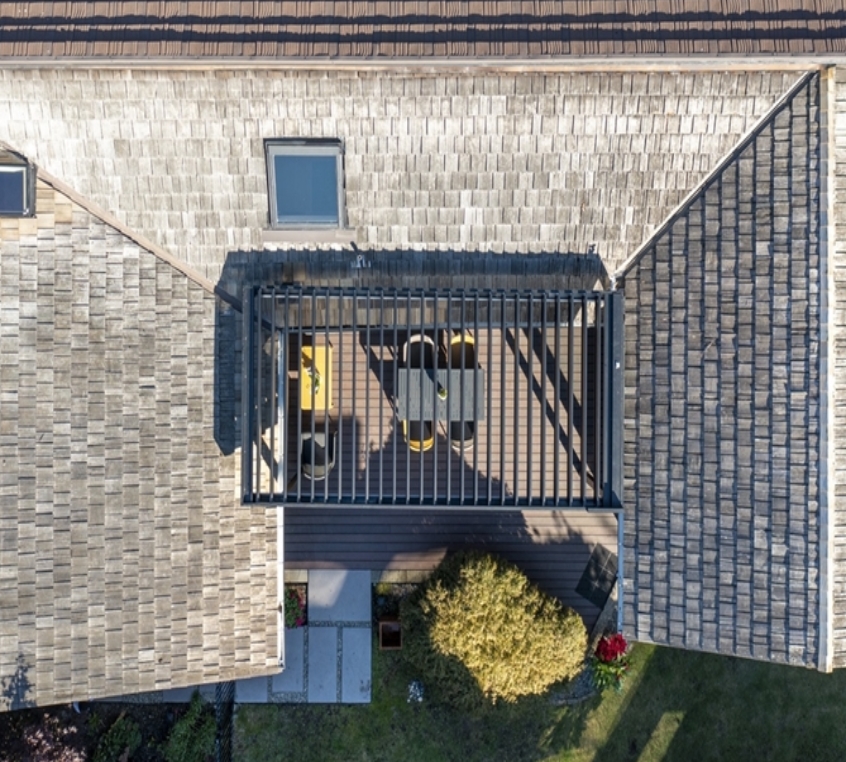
(725, 488)
(126, 561)
(463, 29)
(490, 162)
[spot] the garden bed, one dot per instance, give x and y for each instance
(387, 597)
(295, 606)
(60, 733)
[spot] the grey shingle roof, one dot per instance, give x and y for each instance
(127, 563)
(722, 432)
(418, 29)
(464, 162)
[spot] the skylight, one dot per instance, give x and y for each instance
(14, 190)
(305, 183)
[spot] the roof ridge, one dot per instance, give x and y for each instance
(736, 149)
(144, 242)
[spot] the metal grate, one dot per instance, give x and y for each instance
(485, 399)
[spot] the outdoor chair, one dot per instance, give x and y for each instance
(462, 350)
(318, 456)
(419, 352)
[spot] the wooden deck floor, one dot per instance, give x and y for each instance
(552, 547)
(529, 447)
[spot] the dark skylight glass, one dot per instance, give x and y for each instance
(13, 190)
(305, 184)
(307, 189)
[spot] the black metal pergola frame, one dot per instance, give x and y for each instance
(277, 318)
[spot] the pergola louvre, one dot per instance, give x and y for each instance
(542, 400)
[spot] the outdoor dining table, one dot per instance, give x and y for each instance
(316, 378)
(418, 399)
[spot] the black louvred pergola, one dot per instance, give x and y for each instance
(482, 399)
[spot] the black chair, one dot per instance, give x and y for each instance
(462, 350)
(318, 455)
(419, 352)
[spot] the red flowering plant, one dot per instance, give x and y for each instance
(610, 662)
(295, 606)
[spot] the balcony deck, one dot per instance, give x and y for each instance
(534, 486)
(528, 447)
(552, 547)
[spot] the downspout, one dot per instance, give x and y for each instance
(280, 583)
(828, 311)
(616, 415)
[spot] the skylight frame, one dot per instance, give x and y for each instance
(27, 206)
(305, 148)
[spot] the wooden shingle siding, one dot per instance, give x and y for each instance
(722, 406)
(459, 29)
(552, 547)
(472, 162)
(126, 562)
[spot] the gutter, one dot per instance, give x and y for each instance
(621, 579)
(429, 64)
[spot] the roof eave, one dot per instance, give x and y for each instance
(499, 63)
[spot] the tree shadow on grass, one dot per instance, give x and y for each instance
(567, 728)
(688, 705)
(528, 730)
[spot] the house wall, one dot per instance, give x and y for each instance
(481, 161)
(126, 561)
(722, 428)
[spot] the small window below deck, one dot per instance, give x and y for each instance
(306, 183)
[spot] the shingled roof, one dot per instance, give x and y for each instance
(423, 29)
(725, 539)
(127, 563)
(491, 162)
(132, 565)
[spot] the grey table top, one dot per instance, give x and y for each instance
(417, 394)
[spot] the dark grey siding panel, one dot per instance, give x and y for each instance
(722, 407)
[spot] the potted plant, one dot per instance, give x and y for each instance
(315, 377)
(295, 606)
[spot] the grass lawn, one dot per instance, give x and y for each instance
(676, 706)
